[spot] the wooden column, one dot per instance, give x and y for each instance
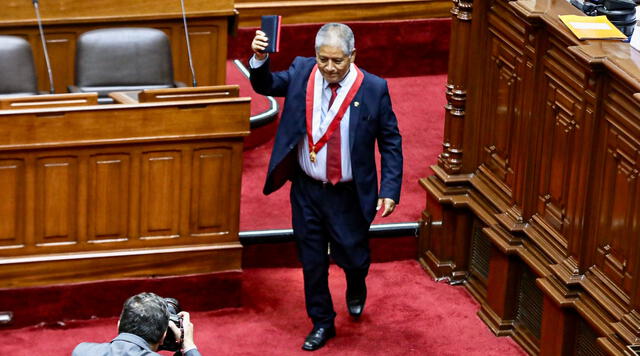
(450, 160)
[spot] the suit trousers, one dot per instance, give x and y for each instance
(325, 218)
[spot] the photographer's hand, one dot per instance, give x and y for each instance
(176, 331)
(187, 343)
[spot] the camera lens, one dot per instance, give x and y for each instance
(170, 343)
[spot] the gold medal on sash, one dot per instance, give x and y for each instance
(312, 156)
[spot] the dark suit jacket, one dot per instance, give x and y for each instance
(124, 344)
(373, 119)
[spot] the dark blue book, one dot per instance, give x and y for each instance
(270, 24)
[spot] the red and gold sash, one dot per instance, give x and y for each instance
(335, 122)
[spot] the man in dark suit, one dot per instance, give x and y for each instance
(142, 327)
(333, 116)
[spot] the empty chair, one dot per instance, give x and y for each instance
(122, 59)
(17, 71)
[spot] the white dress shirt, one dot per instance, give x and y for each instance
(318, 169)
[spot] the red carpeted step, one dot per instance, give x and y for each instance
(406, 313)
(286, 255)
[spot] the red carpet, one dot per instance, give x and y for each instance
(418, 103)
(407, 314)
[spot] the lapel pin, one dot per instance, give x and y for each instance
(356, 103)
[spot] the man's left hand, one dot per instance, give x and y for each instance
(388, 204)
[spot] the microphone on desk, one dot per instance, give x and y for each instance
(36, 6)
(186, 34)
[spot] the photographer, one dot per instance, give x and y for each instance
(142, 330)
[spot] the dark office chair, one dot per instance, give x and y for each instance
(122, 59)
(17, 71)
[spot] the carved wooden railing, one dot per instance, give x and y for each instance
(538, 179)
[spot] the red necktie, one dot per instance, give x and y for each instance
(334, 156)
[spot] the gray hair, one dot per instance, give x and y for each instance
(145, 315)
(336, 35)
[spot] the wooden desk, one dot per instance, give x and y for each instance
(48, 101)
(116, 191)
(176, 94)
(535, 200)
(65, 20)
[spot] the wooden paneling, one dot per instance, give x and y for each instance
(56, 200)
(206, 42)
(314, 11)
(499, 133)
(65, 20)
(563, 118)
(119, 265)
(12, 178)
(160, 194)
(502, 125)
(207, 198)
(62, 48)
(101, 192)
(22, 12)
(550, 131)
(567, 116)
(109, 182)
(617, 215)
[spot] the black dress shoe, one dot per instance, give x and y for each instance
(356, 299)
(318, 337)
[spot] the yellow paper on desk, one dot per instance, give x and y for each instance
(592, 27)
